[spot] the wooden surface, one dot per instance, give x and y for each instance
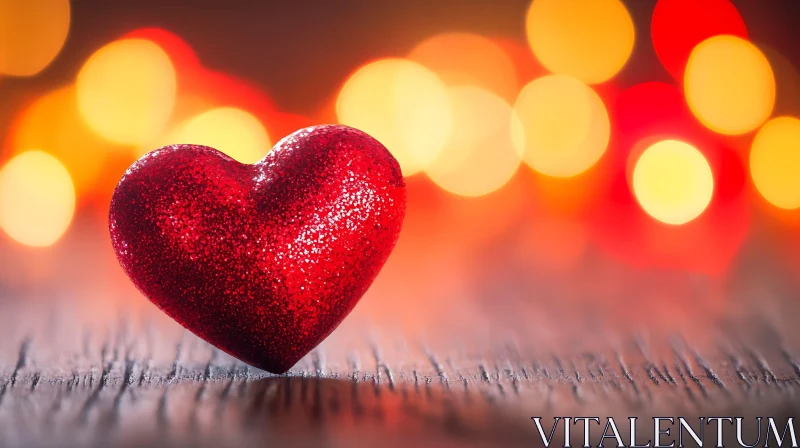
(145, 382)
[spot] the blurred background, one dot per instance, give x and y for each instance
(636, 160)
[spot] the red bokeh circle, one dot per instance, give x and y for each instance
(679, 25)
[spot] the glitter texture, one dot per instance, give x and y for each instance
(265, 260)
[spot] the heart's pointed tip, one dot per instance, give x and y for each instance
(279, 371)
(275, 368)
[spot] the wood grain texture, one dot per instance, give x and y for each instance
(146, 382)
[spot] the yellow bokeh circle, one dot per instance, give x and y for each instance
(672, 181)
(32, 32)
(565, 123)
(775, 162)
(589, 40)
(729, 85)
(235, 132)
(484, 150)
(402, 104)
(126, 91)
(37, 198)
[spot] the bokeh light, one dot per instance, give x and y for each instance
(673, 182)
(32, 33)
(404, 105)
(484, 150)
(53, 124)
(707, 244)
(590, 41)
(126, 91)
(645, 114)
(37, 198)
(565, 123)
(679, 25)
(775, 162)
(233, 131)
(729, 85)
(468, 59)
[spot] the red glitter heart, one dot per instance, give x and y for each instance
(265, 260)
